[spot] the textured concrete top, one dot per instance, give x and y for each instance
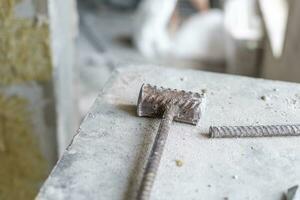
(106, 157)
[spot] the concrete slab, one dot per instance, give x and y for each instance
(106, 157)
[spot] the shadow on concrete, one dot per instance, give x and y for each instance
(128, 108)
(125, 40)
(205, 135)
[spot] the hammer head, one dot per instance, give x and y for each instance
(153, 101)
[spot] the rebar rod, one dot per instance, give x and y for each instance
(254, 131)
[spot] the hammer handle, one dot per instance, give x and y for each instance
(156, 153)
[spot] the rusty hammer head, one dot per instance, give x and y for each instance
(153, 101)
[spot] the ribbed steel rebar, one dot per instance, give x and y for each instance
(254, 131)
(156, 153)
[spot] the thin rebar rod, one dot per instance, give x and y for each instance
(254, 131)
(156, 153)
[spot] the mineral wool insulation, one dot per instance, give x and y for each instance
(22, 166)
(24, 57)
(24, 49)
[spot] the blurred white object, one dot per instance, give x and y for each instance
(244, 34)
(200, 37)
(151, 21)
(275, 11)
(242, 20)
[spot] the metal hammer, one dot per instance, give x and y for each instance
(170, 104)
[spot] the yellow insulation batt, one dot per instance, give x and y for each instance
(24, 50)
(22, 166)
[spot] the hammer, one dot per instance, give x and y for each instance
(170, 104)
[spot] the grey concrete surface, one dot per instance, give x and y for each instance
(106, 157)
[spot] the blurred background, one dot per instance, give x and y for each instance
(56, 57)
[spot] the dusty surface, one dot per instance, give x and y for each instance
(107, 155)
